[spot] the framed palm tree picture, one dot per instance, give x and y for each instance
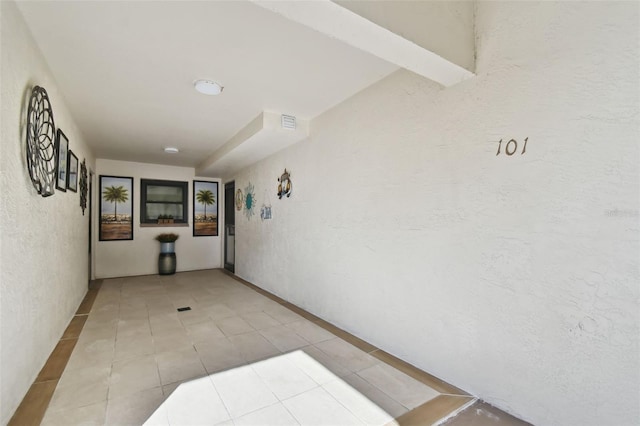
(205, 208)
(116, 208)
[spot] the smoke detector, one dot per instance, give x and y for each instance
(208, 87)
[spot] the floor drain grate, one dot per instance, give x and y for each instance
(186, 308)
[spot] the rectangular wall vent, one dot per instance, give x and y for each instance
(288, 122)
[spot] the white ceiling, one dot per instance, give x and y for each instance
(127, 71)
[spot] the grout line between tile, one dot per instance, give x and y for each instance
(46, 381)
(398, 364)
(92, 293)
(219, 395)
(456, 412)
(384, 392)
(32, 408)
(422, 376)
(434, 411)
(457, 395)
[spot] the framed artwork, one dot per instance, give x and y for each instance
(205, 208)
(62, 148)
(72, 175)
(116, 208)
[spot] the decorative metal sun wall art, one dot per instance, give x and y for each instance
(83, 186)
(41, 153)
(284, 185)
(249, 201)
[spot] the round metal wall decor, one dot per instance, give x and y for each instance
(41, 153)
(83, 186)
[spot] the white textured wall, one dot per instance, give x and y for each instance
(443, 27)
(515, 278)
(44, 257)
(140, 255)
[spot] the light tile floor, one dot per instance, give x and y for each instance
(236, 358)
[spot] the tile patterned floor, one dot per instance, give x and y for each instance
(237, 357)
(483, 414)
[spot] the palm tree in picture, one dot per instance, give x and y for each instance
(115, 195)
(206, 198)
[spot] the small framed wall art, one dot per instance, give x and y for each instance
(116, 208)
(205, 208)
(62, 148)
(72, 175)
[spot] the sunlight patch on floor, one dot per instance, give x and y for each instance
(289, 389)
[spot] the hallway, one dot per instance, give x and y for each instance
(237, 357)
(468, 202)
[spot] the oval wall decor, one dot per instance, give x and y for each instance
(41, 153)
(239, 199)
(84, 188)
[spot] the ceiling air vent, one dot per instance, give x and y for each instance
(288, 122)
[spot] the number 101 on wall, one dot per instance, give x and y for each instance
(511, 147)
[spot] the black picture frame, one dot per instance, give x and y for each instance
(62, 150)
(72, 174)
(116, 192)
(205, 208)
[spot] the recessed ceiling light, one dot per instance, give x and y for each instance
(208, 87)
(171, 150)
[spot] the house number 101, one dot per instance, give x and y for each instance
(512, 146)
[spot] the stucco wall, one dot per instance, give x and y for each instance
(513, 277)
(44, 259)
(140, 255)
(443, 27)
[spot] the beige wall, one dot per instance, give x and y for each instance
(513, 277)
(44, 247)
(140, 255)
(443, 27)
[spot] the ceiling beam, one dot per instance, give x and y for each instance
(349, 27)
(262, 137)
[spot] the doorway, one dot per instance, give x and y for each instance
(90, 205)
(229, 226)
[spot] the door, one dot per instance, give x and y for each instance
(229, 226)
